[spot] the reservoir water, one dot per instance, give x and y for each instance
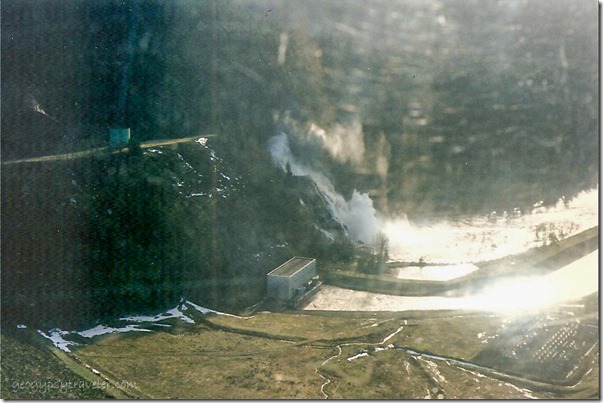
(576, 280)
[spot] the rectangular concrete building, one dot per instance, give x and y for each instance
(291, 276)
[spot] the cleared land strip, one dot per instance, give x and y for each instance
(105, 150)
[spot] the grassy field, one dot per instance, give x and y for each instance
(313, 356)
(210, 364)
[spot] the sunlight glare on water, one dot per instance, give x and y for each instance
(436, 273)
(578, 279)
(521, 295)
(480, 238)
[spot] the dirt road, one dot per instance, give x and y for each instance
(105, 150)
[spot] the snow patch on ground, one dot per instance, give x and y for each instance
(202, 309)
(60, 338)
(355, 357)
(56, 336)
(172, 313)
(207, 310)
(102, 329)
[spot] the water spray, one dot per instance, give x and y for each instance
(357, 215)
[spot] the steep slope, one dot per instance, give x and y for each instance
(133, 232)
(31, 371)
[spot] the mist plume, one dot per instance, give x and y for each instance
(357, 215)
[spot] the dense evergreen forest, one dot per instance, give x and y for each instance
(434, 107)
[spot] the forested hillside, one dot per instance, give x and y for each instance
(431, 107)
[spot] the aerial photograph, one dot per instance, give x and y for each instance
(312, 199)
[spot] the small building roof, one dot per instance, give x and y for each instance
(291, 266)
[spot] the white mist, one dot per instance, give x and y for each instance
(357, 215)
